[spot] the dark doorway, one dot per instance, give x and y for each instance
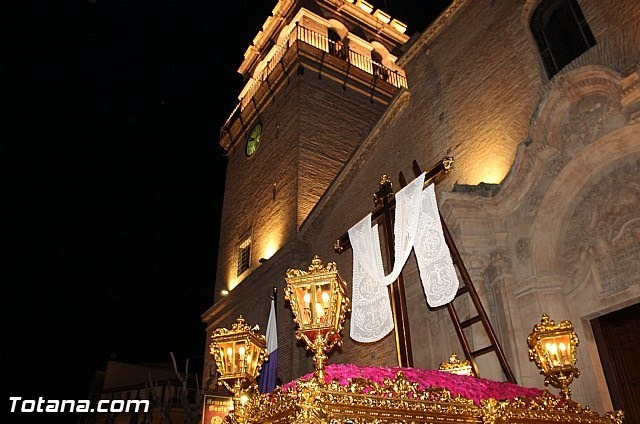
(618, 339)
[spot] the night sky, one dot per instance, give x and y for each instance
(114, 177)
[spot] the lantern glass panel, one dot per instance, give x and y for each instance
(227, 349)
(224, 365)
(304, 296)
(240, 351)
(557, 351)
(336, 309)
(250, 360)
(323, 303)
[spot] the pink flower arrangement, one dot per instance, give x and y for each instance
(476, 389)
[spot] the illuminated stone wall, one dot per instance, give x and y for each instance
(558, 235)
(332, 123)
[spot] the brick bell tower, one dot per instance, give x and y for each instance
(319, 74)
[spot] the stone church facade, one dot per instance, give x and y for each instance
(543, 201)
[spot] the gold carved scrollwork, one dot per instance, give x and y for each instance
(617, 416)
(401, 401)
(493, 411)
(310, 405)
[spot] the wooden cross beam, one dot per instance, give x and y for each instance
(384, 201)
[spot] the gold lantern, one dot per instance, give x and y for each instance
(239, 354)
(553, 348)
(319, 301)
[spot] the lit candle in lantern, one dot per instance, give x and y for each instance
(552, 349)
(319, 312)
(237, 358)
(307, 307)
(557, 360)
(563, 354)
(229, 357)
(241, 351)
(325, 299)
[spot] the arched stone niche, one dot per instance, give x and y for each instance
(339, 28)
(579, 134)
(600, 247)
(571, 202)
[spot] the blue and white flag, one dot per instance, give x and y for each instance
(269, 373)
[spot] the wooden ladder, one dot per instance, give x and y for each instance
(469, 289)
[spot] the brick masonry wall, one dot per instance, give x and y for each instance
(473, 90)
(332, 123)
(309, 132)
(249, 204)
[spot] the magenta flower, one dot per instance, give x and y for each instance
(476, 389)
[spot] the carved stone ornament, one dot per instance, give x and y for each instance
(602, 237)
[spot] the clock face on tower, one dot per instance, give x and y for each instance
(253, 139)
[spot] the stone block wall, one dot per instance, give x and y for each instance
(252, 205)
(478, 92)
(333, 121)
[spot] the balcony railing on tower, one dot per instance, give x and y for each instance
(322, 42)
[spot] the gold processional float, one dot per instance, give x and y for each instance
(352, 394)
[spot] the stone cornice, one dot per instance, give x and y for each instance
(432, 31)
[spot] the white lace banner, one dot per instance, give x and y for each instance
(371, 317)
(438, 275)
(417, 226)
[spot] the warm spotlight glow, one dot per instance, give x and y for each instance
(493, 172)
(399, 26)
(270, 248)
(224, 292)
(382, 16)
(233, 282)
(367, 7)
